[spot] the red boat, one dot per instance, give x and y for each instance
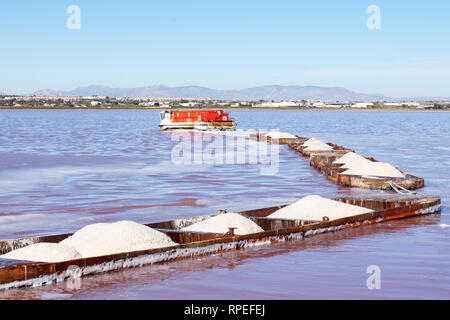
(196, 119)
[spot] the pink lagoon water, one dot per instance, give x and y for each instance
(61, 170)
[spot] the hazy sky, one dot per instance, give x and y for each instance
(227, 45)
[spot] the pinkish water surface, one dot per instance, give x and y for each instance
(61, 170)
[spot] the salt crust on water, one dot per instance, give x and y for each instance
(44, 252)
(314, 144)
(280, 135)
(314, 207)
(221, 223)
(358, 165)
(110, 238)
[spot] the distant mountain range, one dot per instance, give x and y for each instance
(270, 92)
(273, 92)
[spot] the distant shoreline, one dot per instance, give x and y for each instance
(126, 107)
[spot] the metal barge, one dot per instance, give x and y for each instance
(14, 273)
(196, 120)
(323, 161)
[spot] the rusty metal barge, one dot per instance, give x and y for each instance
(14, 273)
(323, 162)
(196, 119)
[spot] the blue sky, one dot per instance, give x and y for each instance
(227, 45)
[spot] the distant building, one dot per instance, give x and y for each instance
(401, 104)
(190, 104)
(322, 104)
(337, 105)
(282, 104)
(426, 106)
(93, 97)
(150, 104)
(362, 105)
(316, 104)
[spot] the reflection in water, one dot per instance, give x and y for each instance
(83, 167)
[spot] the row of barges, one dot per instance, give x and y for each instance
(14, 273)
(324, 161)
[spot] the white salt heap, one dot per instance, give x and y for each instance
(110, 238)
(43, 252)
(280, 135)
(314, 144)
(221, 223)
(315, 208)
(378, 169)
(358, 165)
(351, 159)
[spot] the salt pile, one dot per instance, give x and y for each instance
(110, 238)
(351, 159)
(221, 223)
(44, 252)
(314, 144)
(358, 165)
(315, 208)
(378, 169)
(280, 135)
